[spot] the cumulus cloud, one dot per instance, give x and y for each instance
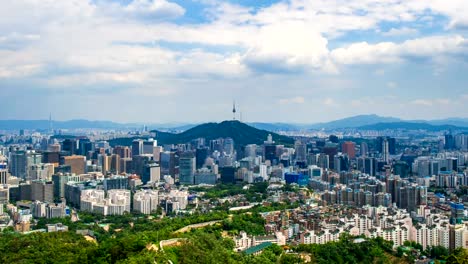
(389, 52)
(142, 45)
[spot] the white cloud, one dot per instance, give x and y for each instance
(389, 52)
(399, 32)
(392, 85)
(422, 102)
(144, 9)
(329, 102)
(293, 100)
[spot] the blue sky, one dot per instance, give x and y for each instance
(187, 60)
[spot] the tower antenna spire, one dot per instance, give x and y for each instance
(234, 110)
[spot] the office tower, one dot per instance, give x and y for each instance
(115, 164)
(4, 176)
(34, 158)
(60, 180)
(205, 176)
(51, 157)
(77, 163)
(18, 164)
(157, 153)
(42, 191)
(152, 173)
(43, 171)
(84, 146)
(69, 146)
(323, 161)
(139, 163)
(300, 150)
(187, 167)
(227, 174)
(115, 182)
(149, 145)
(364, 149)
(168, 163)
(126, 165)
(385, 151)
(137, 147)
(123, 151)
(250, 151)
(349, 148)
(449, 141)
(200, 156)
(228, 146)
(145, 201)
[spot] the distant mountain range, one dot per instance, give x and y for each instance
(360, 122)
(412, 126)
(241, 133)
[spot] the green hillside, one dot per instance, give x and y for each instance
(241, 133)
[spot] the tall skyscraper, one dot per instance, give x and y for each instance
(187, 168)
(300, 150)
(69, 146)
(385, 151)
(200, 156)
(349, 148)
(18, 163)
(364, 149)
(137, 147)
(76, 162)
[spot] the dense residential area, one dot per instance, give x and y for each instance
(390, 198)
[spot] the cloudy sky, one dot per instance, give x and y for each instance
(186, 60)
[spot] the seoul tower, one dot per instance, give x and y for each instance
(234, 110)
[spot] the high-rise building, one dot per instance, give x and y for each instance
(145, 201)
(364, 149)
(76, 162)
(200, 156)
(149, 145)
(18, 164)
(123, 151)
(349, 148)
(4, 176)
(385, 151)
(42, 191)
(168, 163)
(43, 171)
(300, 150)
(69, 146)
(115, 182)
(152, 173)
(228, 146)
(137, 147)
(449, 141)
(187, 167)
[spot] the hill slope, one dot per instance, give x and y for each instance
(241, 133)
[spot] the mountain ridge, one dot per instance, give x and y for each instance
(348, 122)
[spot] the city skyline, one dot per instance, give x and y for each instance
(281, 61)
